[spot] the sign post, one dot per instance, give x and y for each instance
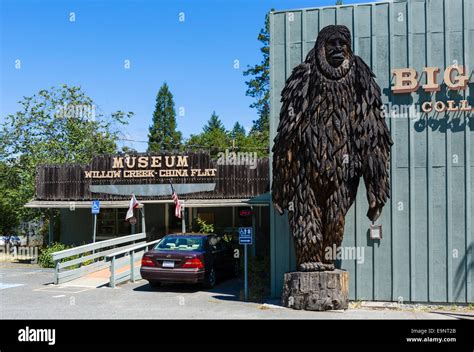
(245, 238)
(95, 209)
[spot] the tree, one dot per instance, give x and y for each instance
(214, 137)
(214, 124)
(259, 83)
(339, 2)
(54, 126)
(237, 131)
(163, 134)
(240, 141)
(128, 150)
(9, 200)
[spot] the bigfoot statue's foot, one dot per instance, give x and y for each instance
(315, 266)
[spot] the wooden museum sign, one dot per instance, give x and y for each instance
(116, 176)
(150, 166)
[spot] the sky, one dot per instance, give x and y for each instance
(121, 51)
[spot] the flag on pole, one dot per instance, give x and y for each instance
(177, 203)
(133, 204)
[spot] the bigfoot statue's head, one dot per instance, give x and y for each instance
(333, 51)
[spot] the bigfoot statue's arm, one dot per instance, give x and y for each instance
(295, 103)
(374, 139)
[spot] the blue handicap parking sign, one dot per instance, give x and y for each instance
(95, 207)
(245, 235)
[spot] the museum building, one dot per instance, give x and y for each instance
(222, 192)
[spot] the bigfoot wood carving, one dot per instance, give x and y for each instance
(332, 131)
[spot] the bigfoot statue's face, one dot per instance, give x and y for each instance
(337, 50)
(333, 51)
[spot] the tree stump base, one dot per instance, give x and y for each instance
(316, 290)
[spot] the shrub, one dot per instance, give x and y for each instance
(204, 227)
(45, 258)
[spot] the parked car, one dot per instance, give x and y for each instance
(3, 240)
(188, 258)
(15, 241)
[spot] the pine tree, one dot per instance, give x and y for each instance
(163, 134)
(214, 123)
(237, 131)
(213, 137)
(259, 84)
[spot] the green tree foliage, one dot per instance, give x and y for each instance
(128, 150)
(59, 125)
(214, 124)
(240, 140)
(162, 133)
(214, 137)
(237, 131)
(259, 89)
(10, 205)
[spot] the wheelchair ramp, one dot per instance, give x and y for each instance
(96, 279)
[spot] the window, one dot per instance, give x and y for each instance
(180, 243)
(111, 223)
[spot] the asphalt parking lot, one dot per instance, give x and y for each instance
(27, 292)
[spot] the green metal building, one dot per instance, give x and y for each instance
(426, 253)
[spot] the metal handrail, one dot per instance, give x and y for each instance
(129, 274)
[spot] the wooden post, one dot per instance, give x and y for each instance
(167, 218)
(56, 272)
(132, 266)
(51, 227)
(112, 273)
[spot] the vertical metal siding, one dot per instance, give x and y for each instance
(429, 216)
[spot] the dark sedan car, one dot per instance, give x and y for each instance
(189, 258)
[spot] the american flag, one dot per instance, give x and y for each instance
(177, 208)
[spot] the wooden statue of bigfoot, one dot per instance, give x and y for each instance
(332, 131)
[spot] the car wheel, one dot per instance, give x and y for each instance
(210, 280)
(155, 283)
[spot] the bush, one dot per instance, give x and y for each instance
(45, 258)
(259, 278)
(204, 227)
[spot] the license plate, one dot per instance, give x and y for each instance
(168, 264)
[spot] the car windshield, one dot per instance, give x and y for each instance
(180, 243)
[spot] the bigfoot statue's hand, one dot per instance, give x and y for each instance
(374, 212)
